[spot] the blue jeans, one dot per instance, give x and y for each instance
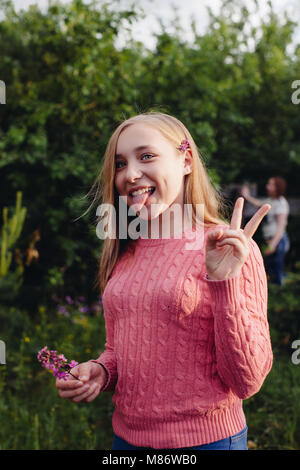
(236, 442)
(274, 263)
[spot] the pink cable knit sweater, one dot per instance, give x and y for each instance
(183, 351)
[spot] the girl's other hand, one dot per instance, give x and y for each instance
(91, 377)
(228, 249)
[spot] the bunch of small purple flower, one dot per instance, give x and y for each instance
(57, 363)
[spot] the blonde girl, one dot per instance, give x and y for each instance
(187, 336)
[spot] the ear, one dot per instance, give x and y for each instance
(188, 161)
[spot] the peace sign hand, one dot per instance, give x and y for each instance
(227, 249)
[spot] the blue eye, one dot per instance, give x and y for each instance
(145, 154)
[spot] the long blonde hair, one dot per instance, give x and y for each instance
(198, 188)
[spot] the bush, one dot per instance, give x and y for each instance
(33, 416)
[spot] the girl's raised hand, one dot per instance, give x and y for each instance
(227, 249)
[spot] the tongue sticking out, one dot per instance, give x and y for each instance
(139, 200)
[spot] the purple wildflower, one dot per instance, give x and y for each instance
(55, 362)
(63, 310)
(73, 363)
(60, 375)
(69, 300)
(84, 309)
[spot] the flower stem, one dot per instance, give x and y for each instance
(73, 376)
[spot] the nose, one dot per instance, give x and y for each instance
(132, 172)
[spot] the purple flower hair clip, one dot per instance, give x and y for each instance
(184, 145)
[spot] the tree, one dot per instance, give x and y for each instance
(68, 86)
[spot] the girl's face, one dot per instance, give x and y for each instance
(145, 158)
(271, 188)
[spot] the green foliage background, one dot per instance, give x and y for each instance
(67, 88)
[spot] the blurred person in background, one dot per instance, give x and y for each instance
(274, 226)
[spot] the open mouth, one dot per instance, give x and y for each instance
(140, 199)
(149, 191)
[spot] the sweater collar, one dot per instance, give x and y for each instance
(186, 235)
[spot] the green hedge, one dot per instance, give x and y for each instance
(68, 86)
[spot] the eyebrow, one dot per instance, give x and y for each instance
(137, 149)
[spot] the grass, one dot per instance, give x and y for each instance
(33, 416)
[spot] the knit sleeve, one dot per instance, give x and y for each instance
(108, 358)
(242, 339)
